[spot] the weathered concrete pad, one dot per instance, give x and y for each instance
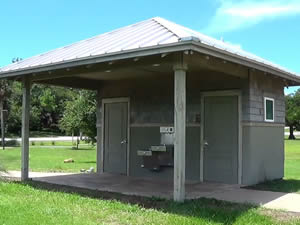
(150, 187)
(267, 199)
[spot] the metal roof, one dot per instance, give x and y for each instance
(154, 32)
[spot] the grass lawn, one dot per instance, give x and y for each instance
(44, 156)
(31, 204)
(37, 203)
(48, 158)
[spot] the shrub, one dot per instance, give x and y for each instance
(11, 143)
(32, 143)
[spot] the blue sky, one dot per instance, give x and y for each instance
(267, 28)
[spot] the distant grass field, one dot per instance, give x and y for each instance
(50, 158)
(55, 143)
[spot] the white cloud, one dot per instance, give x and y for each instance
(234, 45)
(236, 14)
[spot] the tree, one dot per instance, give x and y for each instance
(292, 103)
(5, 91)
(47, 107)
(80, 115)
(14, 105)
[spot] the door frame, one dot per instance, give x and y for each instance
(237, 93)
(108, 101)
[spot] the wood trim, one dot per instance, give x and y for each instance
(128, 136)
(262, 124)
(240, 134)
(202, 140)
(161, 125)
(115, 100)
(102, 139)
(221, 93)
(99, 130)
(240, 140)
(265, 109)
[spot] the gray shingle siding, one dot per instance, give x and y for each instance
(260, 86)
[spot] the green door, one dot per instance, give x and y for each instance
(115, 137)
(221, 139)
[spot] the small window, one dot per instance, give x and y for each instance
(269, 109)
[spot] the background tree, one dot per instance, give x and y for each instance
(47, 107)
(292, 117)
(53, 109)
(80, 115)
(5, 91)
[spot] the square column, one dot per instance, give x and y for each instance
(180, 130)
(25, 128)
(99, 126)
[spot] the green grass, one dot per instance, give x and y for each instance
(33, 203)
(51, 158)
(47, 157)
(29, 204)
(292, 158)
(291, 181)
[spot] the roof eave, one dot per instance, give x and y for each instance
(183, 45)
(235, 58)
(142, 52)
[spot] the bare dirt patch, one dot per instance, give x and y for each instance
(280, 216)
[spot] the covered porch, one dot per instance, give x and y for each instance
(166, 79)
(136, 186)
(158, 77)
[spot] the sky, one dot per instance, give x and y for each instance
(267, 28)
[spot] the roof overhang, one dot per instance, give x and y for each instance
(183, 45)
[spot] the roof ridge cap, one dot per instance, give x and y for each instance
(162, 22)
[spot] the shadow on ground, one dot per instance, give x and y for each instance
(87, 162)
(90, 148)
(281, 185)
(209, 209)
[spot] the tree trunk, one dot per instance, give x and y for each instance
(292, 136)
(2, 124)
(72, 138)
(77, 143)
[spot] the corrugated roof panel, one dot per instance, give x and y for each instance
(132, 39)
(152, 32)
(100, 46)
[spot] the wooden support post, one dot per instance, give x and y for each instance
(180, 127)
(99, 135)
(2, 125)
(25, 128)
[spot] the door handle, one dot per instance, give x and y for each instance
(205, 144)
(124, 142)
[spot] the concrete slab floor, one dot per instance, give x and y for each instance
(149, 187)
